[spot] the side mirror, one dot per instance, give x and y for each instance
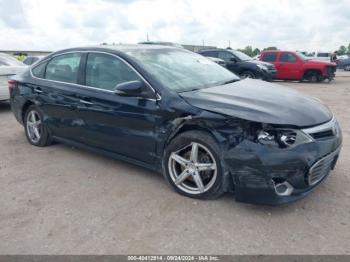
(234, 60)
(131, 88)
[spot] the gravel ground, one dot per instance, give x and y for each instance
(61, 200)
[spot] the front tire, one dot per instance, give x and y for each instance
(313, 77)
(347, 68)
(192, 166)
(35, 129)
(248, 74)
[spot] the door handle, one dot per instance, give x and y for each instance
(38, 90)
(85, 102)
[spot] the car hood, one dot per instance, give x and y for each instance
(258, 62)
(262, 102)
(320, 62)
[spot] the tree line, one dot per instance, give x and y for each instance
(249, 50)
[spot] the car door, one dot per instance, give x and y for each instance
(289, 66)
(54, 89)
(120, 124)
(232, 62)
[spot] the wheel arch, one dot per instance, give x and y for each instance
(25, 107)
(312, 70)
(186, 127)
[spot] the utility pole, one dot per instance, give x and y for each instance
(229, 43)
(147, 38)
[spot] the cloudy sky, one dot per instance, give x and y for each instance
(311, 25)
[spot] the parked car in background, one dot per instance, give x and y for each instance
(161, 43)
(344, 62)
(218, 61)
(242, 64)
(9, 66)
(180, 114)
(296, 66)
(29, 60)
(324, 56)
(343, 56)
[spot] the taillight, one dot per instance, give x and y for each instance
(11, 84)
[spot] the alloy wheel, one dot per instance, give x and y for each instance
(313, 78)
(33, 125)
(193, 169)
(347, 68)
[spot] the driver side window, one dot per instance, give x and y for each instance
(287, 58)
(226, 56)
(106, 71)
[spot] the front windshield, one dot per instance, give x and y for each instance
(240, 55)
(303, 57)
(181, 70)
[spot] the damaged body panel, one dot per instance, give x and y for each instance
(184, 116)
(261, 102)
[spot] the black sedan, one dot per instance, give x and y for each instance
(242, 64)
(179, 113)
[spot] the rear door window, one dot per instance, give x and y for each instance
(270, 57)
(210, 53)
(39, 70)
(64, 68)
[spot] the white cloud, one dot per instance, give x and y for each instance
(51, 25)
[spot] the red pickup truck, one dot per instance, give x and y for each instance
(296, 66)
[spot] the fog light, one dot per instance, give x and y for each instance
(283, 189)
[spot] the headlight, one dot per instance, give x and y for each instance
(262, 67)
(283, 137)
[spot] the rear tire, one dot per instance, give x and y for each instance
(192, 166)
(36, 131)
(347, 68)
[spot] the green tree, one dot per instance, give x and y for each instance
(256, 51)
(349, 48)
(271, 48)
(342, 50)
(248, 50)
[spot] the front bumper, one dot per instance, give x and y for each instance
(330, 72)
(268, 74)
(256, 169)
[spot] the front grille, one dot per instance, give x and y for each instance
(331, 70)
(328, 130)
(323, 134)
(322, 167)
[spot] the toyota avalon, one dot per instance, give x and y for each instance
(180, 114)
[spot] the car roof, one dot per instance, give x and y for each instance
(121, 48)
(213, 49)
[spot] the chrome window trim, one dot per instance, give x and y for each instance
(323, 127)
(158, 96)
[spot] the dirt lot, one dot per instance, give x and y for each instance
(60, 200)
